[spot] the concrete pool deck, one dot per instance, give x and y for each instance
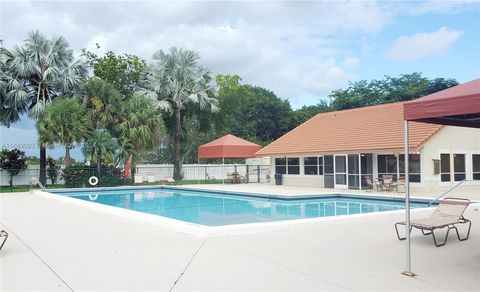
(58, 246)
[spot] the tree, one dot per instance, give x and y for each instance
(177, 81)
(141, 127)
(10, 108)
(99, 146)
(307, 112)
(104, 103)
(391, 89)
(37, 73)
(121, 71)
(13, 161)
(64, 122)
(52, 170)
(252, 112)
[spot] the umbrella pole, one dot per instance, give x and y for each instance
(223, 170)
(408, 271)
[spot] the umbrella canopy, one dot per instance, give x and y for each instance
(228, 146)
(455, 106)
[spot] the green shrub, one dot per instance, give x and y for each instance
(77, 175)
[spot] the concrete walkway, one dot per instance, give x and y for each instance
(59, 246)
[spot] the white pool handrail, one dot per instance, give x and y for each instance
(34, 181)
(449, 190)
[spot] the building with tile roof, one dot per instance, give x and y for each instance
(342, 149)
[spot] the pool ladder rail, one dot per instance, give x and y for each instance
(35, 181)
(449, 190)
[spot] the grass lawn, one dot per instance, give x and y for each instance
(6, 189)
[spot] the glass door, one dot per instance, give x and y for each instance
(353, 172)
(340, 171)
(328, 172)
(366, 167)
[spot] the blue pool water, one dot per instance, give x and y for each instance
(216, 209)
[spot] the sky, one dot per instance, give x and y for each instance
(299, 50)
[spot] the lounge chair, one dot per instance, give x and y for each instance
(3, 237)
(168, 180)
(447, 214)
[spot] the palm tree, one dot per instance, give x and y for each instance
(10, 106)
(99, 146)
(37, 73)
(176, 81)
(140, 129)
(64, 122)
(104, 102)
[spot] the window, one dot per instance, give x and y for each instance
(320, 165)
(280, 165)
(387, 165)
(311, 165)
(413, 167)
(293, 165)
(476, 166)
(459, 173)
(444, 167)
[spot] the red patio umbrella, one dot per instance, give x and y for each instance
(228, 146)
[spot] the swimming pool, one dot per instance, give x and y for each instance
(210, 208)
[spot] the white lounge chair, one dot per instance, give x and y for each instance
(447, 214)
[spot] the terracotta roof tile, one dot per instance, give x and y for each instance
(369, 128)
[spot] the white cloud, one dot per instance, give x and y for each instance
(327, 76)
(276, 45)
(433, 6)
(351, 62)
(422, 45)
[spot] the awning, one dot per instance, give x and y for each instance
(228, 146)
(455, 106)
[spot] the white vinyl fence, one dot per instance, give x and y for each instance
(24, 177)
(254, 173)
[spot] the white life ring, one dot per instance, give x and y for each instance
(93, 180)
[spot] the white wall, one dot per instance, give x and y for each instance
(451, 140)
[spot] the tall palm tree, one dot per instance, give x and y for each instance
(64, 122)
(11, 105)
(99, 146)
(176, 80)
(37, 73)
(140, 129)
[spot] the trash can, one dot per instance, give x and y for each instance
(278, 179)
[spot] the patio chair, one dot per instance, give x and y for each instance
(447, 214)
(387, 182)
(242, 179)
(371, 185)
(209, 177)
(168, 180)
(400, 182)
(3, 237)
